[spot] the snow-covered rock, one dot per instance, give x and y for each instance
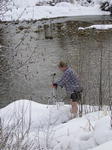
(103, 131)
(97, 26)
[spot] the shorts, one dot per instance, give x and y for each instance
(76, 96)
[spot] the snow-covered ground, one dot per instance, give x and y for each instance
(51, 125)
(27, 10)
(105, 146)
(99, 27)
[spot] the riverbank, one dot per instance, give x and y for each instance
(23, 11)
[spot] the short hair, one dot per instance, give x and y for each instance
(62, 64)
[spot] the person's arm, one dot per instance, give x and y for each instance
(63, 80)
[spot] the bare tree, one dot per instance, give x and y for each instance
(4, 7)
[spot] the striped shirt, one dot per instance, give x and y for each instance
(70, 81)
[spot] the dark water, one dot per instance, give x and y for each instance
(31, 50)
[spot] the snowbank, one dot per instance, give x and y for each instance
(41, 115)
(99, 27)
(106, 146)
(85, 133)
(27, 10)
(52, 124)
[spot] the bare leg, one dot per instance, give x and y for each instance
(74, 109)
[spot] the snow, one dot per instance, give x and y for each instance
(105, 146)
(99, 27)
(27, 10)
(85, 133)
(40, 114)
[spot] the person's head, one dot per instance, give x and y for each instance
(62, 66)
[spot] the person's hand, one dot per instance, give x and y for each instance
(54, 85)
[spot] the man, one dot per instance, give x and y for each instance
(71, 83)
